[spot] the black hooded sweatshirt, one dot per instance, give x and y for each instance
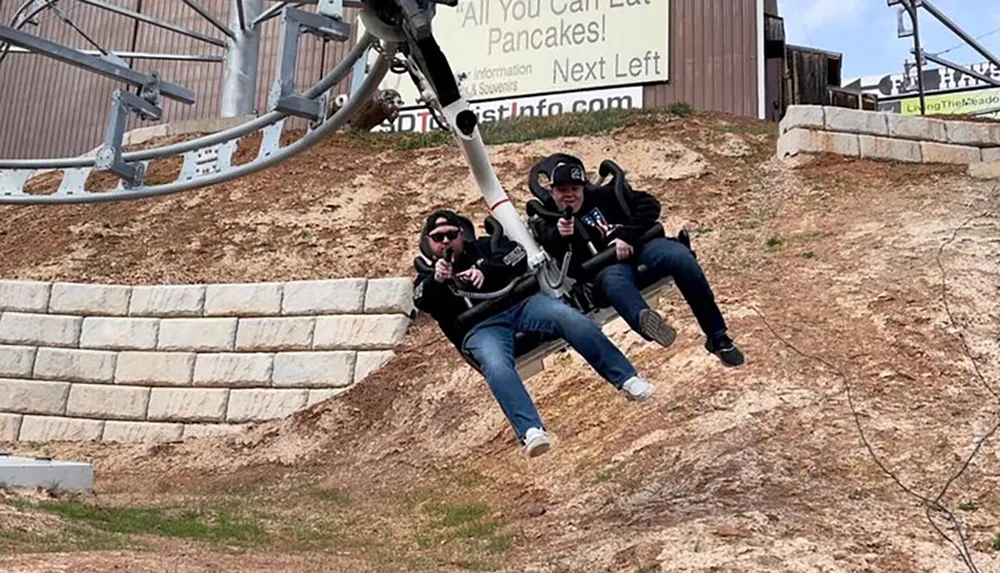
(499, 266)
(603, 220)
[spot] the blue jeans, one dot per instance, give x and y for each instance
(491, 343)
(664, 258)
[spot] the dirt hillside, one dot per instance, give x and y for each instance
(829, 273)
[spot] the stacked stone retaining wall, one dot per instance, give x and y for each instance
(163, 363)
(890, 136)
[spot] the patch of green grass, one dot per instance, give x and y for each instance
(470, 478)
(775, 241)
(996, 542)
(968, 506)
(680, 108)
(462, 514)
(529, 128)
(332, 494)
(71, 538)
(220, 526)
(808, 255)
(467, 524)
(747, 128)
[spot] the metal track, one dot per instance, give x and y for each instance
(206, 160)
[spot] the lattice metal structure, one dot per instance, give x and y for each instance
(910, 9)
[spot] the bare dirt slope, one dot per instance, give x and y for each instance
(754, 469)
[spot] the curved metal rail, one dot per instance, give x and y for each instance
(207, 160)
(19, 21)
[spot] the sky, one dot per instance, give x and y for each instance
(864, 31)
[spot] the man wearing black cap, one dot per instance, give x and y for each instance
(470, 265)
(605, 224)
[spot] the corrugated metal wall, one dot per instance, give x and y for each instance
(50, 109)
(42, 102)
(713, 57)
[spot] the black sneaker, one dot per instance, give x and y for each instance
(726, 350)
(655, 329)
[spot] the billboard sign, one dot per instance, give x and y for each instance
(986, 102)
(512, 48)
(418, 120)
(935, 81)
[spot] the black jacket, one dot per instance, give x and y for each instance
(603, 220)
(499, 267)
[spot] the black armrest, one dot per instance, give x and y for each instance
(524, 287)
(422, 266)
(607, 256)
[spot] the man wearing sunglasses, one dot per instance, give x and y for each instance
(607, 223)
(478, 265)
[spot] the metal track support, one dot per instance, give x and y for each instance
(294, 22)
(239, 77)
(109, 156)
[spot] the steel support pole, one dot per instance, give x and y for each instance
(949, 64)
(139, 55)
(912, 7)
(154, 21)
(958, 31)
(239, 78)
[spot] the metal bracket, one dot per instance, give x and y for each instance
(331, 8)
(324, 105)
(12, 181)
(109, 155)
(294, 23)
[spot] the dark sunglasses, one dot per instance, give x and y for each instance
(450, 235)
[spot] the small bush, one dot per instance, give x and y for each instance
(681, 109)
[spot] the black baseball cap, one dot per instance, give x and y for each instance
(450, 218)
(568, 173)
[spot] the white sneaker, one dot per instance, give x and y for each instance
(536, 442)
(637, 389)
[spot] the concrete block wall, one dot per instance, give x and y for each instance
(155, 363)
(866, 134)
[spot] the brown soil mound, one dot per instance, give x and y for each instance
(755, 469)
